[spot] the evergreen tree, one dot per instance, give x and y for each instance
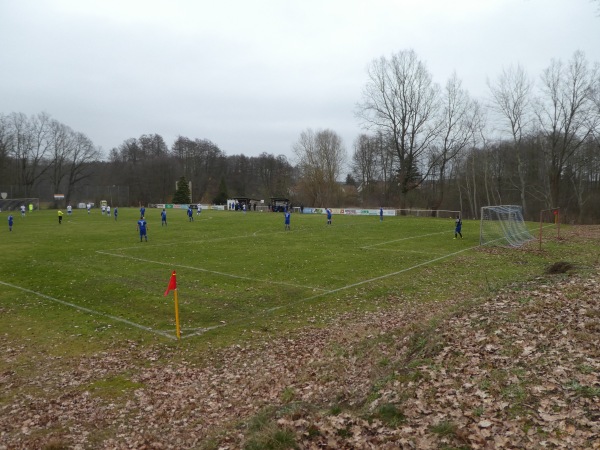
(182, 194)
(222, 196)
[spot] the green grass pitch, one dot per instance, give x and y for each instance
(91, 277)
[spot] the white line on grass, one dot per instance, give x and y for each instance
(91, 311)
(199, 331)
(399, 250)
(370, 280)
(200, 269)
(406, 238)
(344, 287)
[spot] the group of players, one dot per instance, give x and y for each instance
(142, 225)
(11, 219)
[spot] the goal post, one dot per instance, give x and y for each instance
(14, 204)
(503, 225)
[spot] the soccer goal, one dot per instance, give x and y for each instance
(14, 204)
(503, 225)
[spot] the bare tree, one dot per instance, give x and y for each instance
(566, 113)
(202, 162)
(512, 101)
(461, 118)
(153, 145)
(82, 153)
(583, 175)
(321, 157)
(29, 143)
(61, 145)
(365, 163)
(387, 160)
(4, 146)
(275, 175)
(401, 100)
(374, 164)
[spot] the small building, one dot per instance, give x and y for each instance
(279, 204)
(241, 201)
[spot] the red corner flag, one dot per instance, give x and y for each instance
(172, 284)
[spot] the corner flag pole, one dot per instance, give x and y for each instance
(173, 287)
(177, 329)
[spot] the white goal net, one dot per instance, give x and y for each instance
(503, 225)
(14, 204)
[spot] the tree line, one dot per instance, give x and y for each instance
(534, 142)
(40, 157)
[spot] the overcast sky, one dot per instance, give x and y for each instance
(251, 75)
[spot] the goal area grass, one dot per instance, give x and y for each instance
(89, 282)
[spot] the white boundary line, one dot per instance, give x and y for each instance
(381, 277)
(400, 250)
(245, 319)
(406, 238)
(201, 241)
(200, 269)
(91, 311)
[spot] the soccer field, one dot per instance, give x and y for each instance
(92, 273)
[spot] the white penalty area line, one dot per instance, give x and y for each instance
(401, 250)
(200, 269)
(91, 311)
(406, 238)
(370, 280)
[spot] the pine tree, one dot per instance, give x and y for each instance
(182, 194)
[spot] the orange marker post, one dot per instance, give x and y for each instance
(173, 287)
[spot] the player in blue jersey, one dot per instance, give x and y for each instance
(381, 214)
(287, 220)
(142, 212)
(328, 216)
(458, 227)
(190, 213)
(142, 227)
(116, 212)
(10, 222)
(163, 218)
